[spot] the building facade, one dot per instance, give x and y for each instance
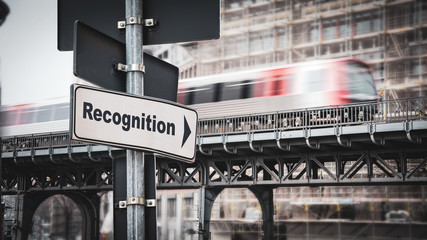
(389, 35)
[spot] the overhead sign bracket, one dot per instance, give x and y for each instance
(131, 67)
(149, 22)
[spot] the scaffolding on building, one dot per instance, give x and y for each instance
(390, 35)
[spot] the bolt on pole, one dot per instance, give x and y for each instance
(135, 159)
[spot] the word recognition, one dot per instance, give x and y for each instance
(128, 121)
(124, 120)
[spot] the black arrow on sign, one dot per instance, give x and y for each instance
(187, 132)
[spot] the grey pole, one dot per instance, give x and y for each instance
(134, 85)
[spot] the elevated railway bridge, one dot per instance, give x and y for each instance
(370, 143)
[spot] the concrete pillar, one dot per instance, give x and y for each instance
(179, 219)
(163, 215)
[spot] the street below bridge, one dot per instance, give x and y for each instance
(320, 230)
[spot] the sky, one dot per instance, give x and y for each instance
(31, 67)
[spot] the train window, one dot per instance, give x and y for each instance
(204, 94)
(286, 83)
(62, 111)
(258, 86)
(189, 96)
(171, 207)
(217, 92)
(26, 116)
(3, 119)
(181, 97)
(277, 84)
(236, 90)
(247, 86)
(8, 118)
(312, 80)
(43, 114)
(360, 79)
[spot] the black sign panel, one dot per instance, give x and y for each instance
(181, 20)
(177, 20)
(96, 56)
(100, 14)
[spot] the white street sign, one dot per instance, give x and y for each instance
(119, 119)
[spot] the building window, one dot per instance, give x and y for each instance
(163, 55)
(171, 207)
(159, 208)
(188, 204)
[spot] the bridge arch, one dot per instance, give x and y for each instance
(263, 194)
(87, 202)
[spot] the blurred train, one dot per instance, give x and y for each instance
(35, 118)
(303, 85)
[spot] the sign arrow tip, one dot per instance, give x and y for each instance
(187, 132)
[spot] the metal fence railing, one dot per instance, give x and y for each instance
(38, 141)
(339, 115)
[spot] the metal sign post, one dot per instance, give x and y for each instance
(134, 84)
(197, 20)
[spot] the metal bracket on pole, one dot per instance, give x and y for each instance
(138, 201)
(151, 203)
(131, 67)
(150, 22)
(132, 201)
(122, 204)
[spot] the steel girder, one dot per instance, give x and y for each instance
(25, 174)
(395, 162)
(303, 169)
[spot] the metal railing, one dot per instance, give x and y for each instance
(38, 141)
(398, 110)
